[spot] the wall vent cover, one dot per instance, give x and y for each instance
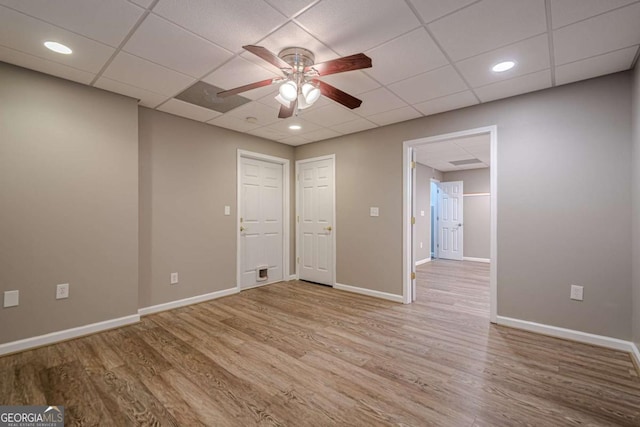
(465, 162)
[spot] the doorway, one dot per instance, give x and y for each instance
(263, 220)
(409, 164)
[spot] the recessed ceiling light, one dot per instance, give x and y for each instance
(58, 47)
(295, 127)
(503, 66)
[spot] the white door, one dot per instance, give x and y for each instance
(315, 220)
(414, 214)
(261, 227)
(450, 220)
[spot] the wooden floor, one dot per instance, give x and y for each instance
(299, 354)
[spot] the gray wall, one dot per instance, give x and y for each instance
(422, 228)
(69, 203)
(551, 227)
(187, 176)
(636, 205)
(477, 211)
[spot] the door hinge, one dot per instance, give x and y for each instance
(413, 165)
(413, 220)
(298, 260)
(241, 219)
(413, 275)
(298, 218)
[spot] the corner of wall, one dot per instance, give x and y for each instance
(635, 166)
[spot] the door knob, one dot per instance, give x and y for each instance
(459, 225)
(328, 228)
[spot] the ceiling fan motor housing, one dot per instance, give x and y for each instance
(297, 57)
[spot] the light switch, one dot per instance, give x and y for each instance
(421, 213)
(227, 210)
(11, 298)
(374, 211)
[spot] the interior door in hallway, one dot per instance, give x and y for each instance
(316, 220)
(450, 220)
(261, 225)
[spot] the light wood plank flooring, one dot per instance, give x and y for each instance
(300, 354)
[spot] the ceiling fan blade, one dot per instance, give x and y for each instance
(337, 95)
(237, 90)
(340, 65)
(287, 112)
(269, 56)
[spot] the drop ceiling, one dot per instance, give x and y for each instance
(460, 151)
(429, 56)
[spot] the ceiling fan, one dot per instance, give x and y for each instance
(300, 86)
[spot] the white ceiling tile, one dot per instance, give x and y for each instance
(108, 22)
(377, 101)
(238, 72)
(516, 86)
(612, 62)
(44, 66)
(168, 45)
(433, 84)
(264, 114)
(430, 10)
(354, 126)
(291, 35)
(447, 103)
(264, 94)
(230, 24)
(437, 147)
(329, 115)
(267, 133)
(295, 140)
(190, 111)
(138, 72)
(488, 25)
(143, 3)
(320, 134)
(290, 7)
(26, 34)
(354, 26)
(530, 55)
(282, 125)
(352, 82)
(147, 99)
(474, 143)
(230, 122)
(408, 55)
(566, 12)
(611, 31)
(394, 116)
(451, 156)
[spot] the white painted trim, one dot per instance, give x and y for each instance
(476, 194)
(369, 292)
(335, 217)
(469, 258)
(186, 301)
(293, 277)
(67, 334)
(567, 334)
(286, 209)
(423, 261)
(408, 146)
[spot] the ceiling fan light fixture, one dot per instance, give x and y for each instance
(289, 90)
(311, 93)
(283, 101)
(302, 103)
(503, 66)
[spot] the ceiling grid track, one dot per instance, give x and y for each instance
(552, 60)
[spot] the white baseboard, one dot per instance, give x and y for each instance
(67, 334)
(293, 277)
(468, 258)
(186, 301)
(570, 334)
(369, 292)
(423, 261)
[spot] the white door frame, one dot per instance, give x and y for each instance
(434, 250)
(285, 210)
(407, 268)
(334, 226)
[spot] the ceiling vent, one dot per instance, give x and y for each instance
(465, 162)
(205, 95)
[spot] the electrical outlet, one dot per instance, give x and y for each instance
(577, 292)
(174, 278)
(420, 245)
(11, 298)
(227, 210)
(374, 211)
(62, 291)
